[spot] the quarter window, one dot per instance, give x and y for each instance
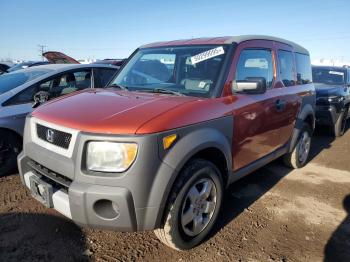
(25, 96)
(59, 85)
(103, 76)
(286, 66)
(255, 63)
(304, 74)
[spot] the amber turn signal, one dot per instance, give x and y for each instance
(168, 141)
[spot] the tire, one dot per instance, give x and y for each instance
(340, 126)
(10, 147)
(300, 154)
(179, 231)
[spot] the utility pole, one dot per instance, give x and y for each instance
(42, 51)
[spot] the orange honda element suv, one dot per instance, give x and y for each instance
(179, 123)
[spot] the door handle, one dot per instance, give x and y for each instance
(280, 104)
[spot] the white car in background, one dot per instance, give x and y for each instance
(21, 89)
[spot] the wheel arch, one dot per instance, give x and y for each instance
(208, 144)
(306, 115)
(8, 130)
(347, 106)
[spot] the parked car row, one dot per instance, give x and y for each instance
(54, 57)
(174, 127)
(333, 97)
(21, 90)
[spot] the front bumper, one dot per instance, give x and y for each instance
(88, 205)
(326, 115)
(129, 201)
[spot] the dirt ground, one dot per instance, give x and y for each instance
(274, 214)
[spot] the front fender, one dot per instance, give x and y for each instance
(195, 141)
(306, 111)
(192, 139)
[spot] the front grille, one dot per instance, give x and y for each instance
(51, 177)
(53, 136)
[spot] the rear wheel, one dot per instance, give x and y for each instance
(300, 154)
(10, 147)
(340, 125)
(193, 206)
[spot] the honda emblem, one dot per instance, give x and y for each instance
(50, 135)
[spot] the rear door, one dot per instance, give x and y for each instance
(289, 90)
(258, 118)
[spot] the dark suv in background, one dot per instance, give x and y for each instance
(333, 97)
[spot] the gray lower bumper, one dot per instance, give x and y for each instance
(95, 206)
(100, 206)
(60, 199)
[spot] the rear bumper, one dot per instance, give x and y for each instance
(326, 115)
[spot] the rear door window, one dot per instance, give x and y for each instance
(255, 63)
(62, 84)
(303, 65)
(286, 67)
(67, 83)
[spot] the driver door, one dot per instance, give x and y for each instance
(258, 118)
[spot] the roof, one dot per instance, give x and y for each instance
(226, 40)
(66, 66)
(331, 67)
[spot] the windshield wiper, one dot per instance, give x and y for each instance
(164, 91)
(119, 86)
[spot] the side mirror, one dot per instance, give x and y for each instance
(251, 85)
(40, 98)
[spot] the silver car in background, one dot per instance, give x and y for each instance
(21, 89)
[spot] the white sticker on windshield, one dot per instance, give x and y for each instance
(207, 55)
(336, 73)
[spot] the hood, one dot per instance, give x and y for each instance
(324, 90)
(107, 111)
(59, 58)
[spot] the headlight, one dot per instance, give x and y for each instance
(335, 99)
(110, 156)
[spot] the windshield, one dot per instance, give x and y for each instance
(328, 76)
(189, 70)
(12, 80)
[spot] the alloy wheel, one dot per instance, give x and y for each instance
(304, 147)
(198, 207)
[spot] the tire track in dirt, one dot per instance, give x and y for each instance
(13, 197)
(12, 191)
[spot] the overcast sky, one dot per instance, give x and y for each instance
(113, 29)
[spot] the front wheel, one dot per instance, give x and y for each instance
(340, 126)
(300, 154)
(193, 207)
(10, 147)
